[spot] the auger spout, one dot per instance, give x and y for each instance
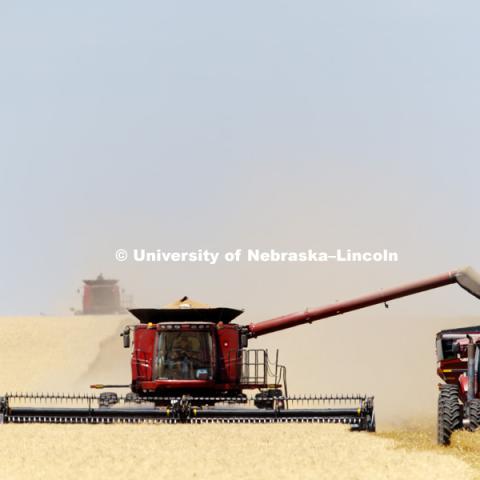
(467, 278)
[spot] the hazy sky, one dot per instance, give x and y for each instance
(225, 125)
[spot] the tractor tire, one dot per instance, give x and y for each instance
(449, 413)
(474, 412)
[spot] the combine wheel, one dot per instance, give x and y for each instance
(449, 413)
(474, 411)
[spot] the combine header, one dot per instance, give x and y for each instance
(191, 363)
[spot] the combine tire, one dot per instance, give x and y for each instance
(449, 413)
(474, 410)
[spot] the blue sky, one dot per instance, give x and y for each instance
(233, 124)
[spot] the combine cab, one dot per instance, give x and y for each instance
(188, 344)
(458, 354)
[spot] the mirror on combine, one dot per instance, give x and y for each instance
(126, 337)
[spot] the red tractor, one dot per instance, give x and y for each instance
(458, 353)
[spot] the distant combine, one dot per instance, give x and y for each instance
(102, 296)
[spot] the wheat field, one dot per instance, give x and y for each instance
(66, 354)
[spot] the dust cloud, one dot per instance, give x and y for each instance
(62, 354)
(385, 355)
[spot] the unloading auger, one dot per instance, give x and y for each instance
(190, 363)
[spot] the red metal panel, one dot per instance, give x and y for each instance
(463, 383)
(450, 369)
(143, 353)
(177, 384)
(228, 347)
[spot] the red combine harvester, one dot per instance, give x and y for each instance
(188, 358)
(101, 297)
(458, 353)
